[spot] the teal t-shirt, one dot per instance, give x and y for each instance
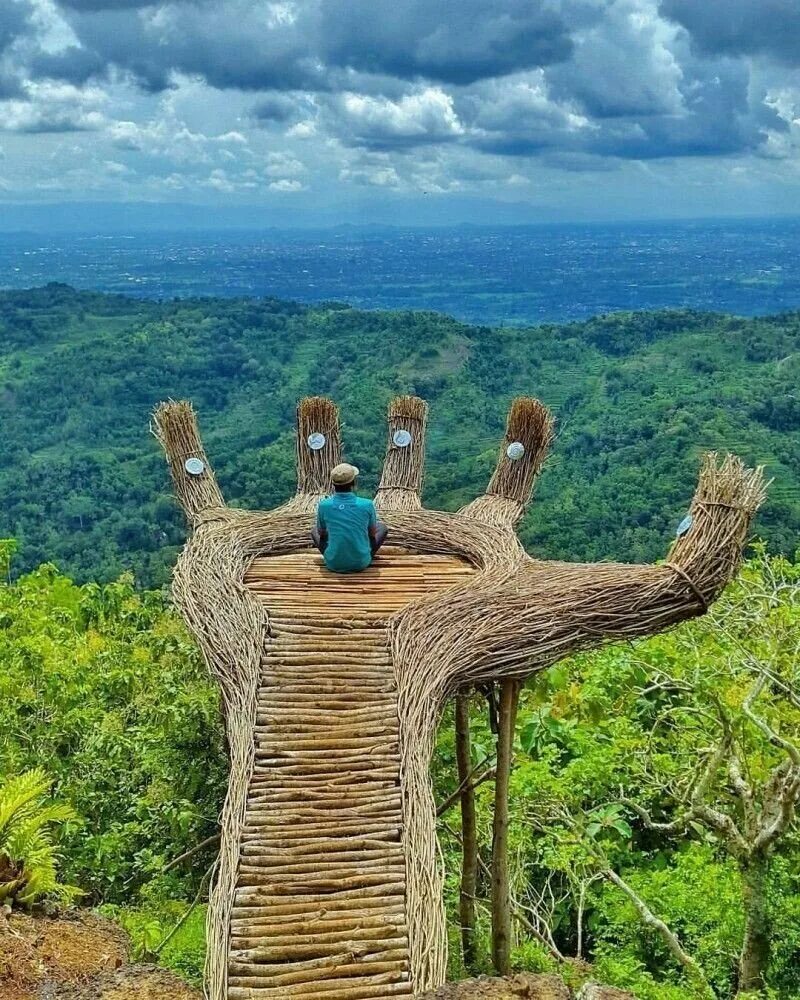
(347, 518)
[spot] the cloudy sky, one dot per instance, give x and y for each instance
(389, 109)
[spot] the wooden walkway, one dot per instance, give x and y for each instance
(320, 902)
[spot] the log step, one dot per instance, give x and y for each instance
(319, 903)
(319, 906)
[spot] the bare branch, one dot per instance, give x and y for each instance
(674, 826)
(201, 889)
(743, 791)
(471, 781)
(669, 938)
(647, 916)
(667, 684)
(208, 842)
(714, 818)
(781, 794)
(761, 724)
(786, 689)
(518, 912)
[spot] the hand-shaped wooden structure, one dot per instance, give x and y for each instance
(329, 881)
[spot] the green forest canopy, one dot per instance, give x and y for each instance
(637, 395)
(102, 688)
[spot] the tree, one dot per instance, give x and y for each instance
(645, 718)
(745, 792)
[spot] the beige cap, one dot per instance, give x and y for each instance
(344, 474)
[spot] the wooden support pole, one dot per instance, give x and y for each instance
(175, 426)
(501, 892)
(469, 833)
(404, 466)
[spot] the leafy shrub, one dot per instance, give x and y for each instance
(150, 925)
(103, 689)
(28, 858)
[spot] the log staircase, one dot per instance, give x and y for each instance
(320, 900)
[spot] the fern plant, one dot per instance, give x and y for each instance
(28, 858)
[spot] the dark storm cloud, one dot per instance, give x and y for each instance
(324, 43)
(15, 23)
(717, 118)
(228, 44)
(451, 41)
(9, 87)
(57, 125)
(275, 108)
(622, 65)
(73, 64)
(712, 112)
(15, 20)
(741, 27)
(98, 5)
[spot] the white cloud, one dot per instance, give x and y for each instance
(287, 186)
(425, 116)
(116, 168)
(378, 176)
(172, 139)
(232, 138)
(54, 107)
(302, 130)
(218, 180)
(283, 165)
(520, 115)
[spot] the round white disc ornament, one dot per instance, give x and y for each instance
(195, 466)
(316, 441)
(515, 451)
(684, 526)
(401, 438)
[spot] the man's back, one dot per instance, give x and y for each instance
(346, 518)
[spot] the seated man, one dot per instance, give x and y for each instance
(348, 532)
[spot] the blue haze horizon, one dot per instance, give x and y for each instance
(503, 275)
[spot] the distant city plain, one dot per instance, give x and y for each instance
(503, 276)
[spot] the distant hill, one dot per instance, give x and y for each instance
(638, 397)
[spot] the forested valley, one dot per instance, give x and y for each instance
(653, 843)
(637, 397)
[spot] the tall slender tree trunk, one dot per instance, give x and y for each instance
(755, 947)
(469, 833)
(501, 896)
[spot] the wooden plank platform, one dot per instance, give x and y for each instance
(395, 579)
(320, 901)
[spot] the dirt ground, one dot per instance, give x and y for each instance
(80, 957)
(83, 957)
(520, 987)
